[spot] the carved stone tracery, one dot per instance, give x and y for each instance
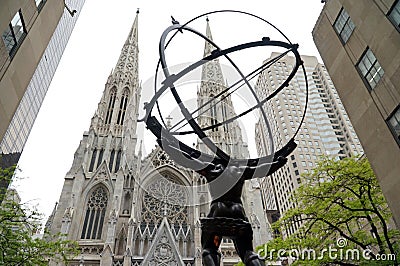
(165, 198)
(162, 158)
(163, 254)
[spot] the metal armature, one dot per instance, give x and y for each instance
(225, 175)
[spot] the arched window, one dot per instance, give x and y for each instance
(120, 243)
(93, 160)
(165, 198)
(213, 113)
(110, 108)
(118, 161)
(122, 107)
(225, 116)
(95, 213)
(111, 162)
(100, 157)
(127, 203)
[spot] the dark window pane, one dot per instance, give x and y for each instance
(95, 212)
(14, 33)
(370, 68)
(344, 26)
(394, 15)
(394, 124)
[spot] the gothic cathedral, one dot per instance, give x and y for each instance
(119, 206)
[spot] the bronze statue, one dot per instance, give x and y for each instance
(225, 176)
(227, 216)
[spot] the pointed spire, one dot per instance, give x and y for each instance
(208, 47)
(211, 71)
(128, 60)
(133, 35)
(213, 83)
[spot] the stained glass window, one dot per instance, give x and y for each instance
(122, 107)
(165, 198)
(95, 214)
(93, 160)
(111, 103)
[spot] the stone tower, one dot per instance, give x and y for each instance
(227, 137)
(123, 209)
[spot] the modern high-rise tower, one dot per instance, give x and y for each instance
(34, 36)
(326, 129)
(123, 209)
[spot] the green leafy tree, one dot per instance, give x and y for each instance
(18, 222)
(339, 207)
(5, 179)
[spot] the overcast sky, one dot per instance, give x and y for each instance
(93, 51)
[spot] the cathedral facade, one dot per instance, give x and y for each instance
(126, 209)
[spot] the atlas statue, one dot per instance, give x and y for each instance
(225, 175)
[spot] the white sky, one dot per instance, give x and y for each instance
(93, 51)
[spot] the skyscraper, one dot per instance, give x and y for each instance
(34, 36)
(359, 42)
(127, 210)
(326, 129)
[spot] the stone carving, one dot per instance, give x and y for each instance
(68, 214)
(163, 198)
(161, 158)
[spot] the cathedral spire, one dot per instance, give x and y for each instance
(218, 106)
(133, 35)
(211, 71)
(112, 135)
(128, 59)
(208, 47)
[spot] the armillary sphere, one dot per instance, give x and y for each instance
(158, 126)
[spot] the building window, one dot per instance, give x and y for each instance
(370, 68)
(14, 34)
(111, 103)
(225, 116)
(95, 214)
(122, 107)
(394, 15)
(164, 198)
(394, 124)
(111, 162)
(118, 161)
(100, 159)
(213, 114)
(343, 25)
(93, 160)
(39, 4)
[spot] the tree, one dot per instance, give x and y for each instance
(5, 179)
(339, 207)
(18, 222)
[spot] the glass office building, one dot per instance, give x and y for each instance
(21, 124)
